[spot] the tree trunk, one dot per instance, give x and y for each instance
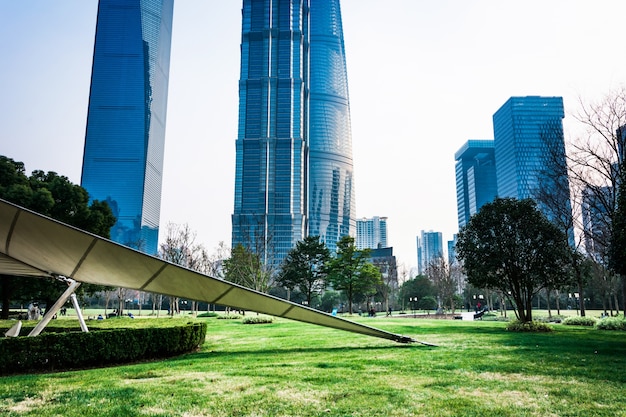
(548, 300)
(580, 294)
(558, 302)
(624, 293)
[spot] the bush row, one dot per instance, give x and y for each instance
(611, 323)
(61, 351)
(580, 321)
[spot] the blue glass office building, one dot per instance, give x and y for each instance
(125, 135)
(476, 182)
(530, 151)
(331, 182)
(293, 173)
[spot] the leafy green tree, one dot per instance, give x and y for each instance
(330, 300)
(54, 196)
(305, 267)
(418, 287)
(509, 245)
(350, 271)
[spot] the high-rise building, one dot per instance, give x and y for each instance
(125, 135)
(597, 202)
(429, 248)
(371, 233)
(293, 173)
(476, 182)
(530, 155)
(452, 250)
(331, 182)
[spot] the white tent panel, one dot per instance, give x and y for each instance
(34, 245)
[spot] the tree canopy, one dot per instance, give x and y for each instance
(510, 246)
(55, 196)
(305, 267)
(350, 271)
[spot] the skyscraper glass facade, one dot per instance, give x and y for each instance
(331, 181)
(371, 233)
(530, 153)
(476, 182)
(429, 248)
(125, 135)
(293, 173)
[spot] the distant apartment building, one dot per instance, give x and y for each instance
(371, 233)
(429, 248)
(476, 182)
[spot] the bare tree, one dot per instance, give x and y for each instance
(389, 272)
(596, 165)
(254, 262)
(438, 271)
(180, 247)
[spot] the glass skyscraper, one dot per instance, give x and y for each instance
(476, 182)
(429, 249)
(530, 154)
(125, 135)
(331, 181)
(293, 174)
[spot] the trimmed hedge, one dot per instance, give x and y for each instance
(580, 321)
(612, 323)
(533, 327)
(62, 351)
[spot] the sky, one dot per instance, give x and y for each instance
(424, 77)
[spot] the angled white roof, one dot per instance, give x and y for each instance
(35, 245)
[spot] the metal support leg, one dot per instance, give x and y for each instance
(56, 307)
(81, 320)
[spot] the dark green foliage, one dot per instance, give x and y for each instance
(580, 321)
(419, 287)
(427, 303)
(54, 196)
(351, 272)
(510, 246)
(305, 267)
(67, 350)
(528, 326)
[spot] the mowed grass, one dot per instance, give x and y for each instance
(295, 369)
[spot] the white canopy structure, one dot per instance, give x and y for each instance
(35, 245)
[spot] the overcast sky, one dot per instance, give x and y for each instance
(424, 77)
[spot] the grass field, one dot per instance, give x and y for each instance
(294, 369)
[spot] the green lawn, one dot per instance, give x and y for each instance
(294, 369)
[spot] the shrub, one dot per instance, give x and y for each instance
(61, 351)
(611, 323)
(580, 321)
(552, 319)
(258, 320)
(229, 317)
(528, 326)
(208, 314)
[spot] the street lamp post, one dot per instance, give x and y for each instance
(413, 301)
